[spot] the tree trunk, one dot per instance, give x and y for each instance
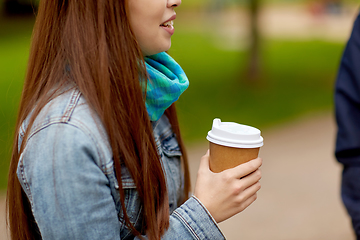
(19, 8)
(254, 61)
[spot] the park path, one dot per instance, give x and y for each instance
(3, 232)
(299, 198)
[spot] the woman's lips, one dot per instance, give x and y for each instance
(169, 28)
(169, 25)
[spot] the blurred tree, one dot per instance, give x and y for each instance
(254, 61)
(19, 7)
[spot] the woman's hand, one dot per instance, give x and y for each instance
(229, 192)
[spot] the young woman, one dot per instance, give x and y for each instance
(98, 152)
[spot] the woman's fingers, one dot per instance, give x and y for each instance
(246, 168)
(250, 179)
(247, 203)
(204, 161)
(250, 191)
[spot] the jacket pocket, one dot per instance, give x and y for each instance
(171, 162)
(170, 146)
(132, 201)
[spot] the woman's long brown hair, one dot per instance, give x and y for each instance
(89, 44)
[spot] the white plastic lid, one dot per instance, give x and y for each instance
(236, 135)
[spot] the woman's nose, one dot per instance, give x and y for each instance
(174, 3)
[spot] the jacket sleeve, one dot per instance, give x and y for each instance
(347, 106)
(192, 221)
(71, 197)
(347, 101)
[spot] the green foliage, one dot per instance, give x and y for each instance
(14, 48)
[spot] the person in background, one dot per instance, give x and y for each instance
(347, 107)
(97, 152)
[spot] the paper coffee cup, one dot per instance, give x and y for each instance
(232, 144)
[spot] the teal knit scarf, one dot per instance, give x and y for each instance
(167, 81)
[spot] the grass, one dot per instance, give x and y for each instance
(297, 78)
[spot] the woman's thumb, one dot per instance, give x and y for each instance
(204, 161)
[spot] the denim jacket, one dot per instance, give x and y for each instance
(67, 173)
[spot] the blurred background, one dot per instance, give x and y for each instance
(269, 64)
